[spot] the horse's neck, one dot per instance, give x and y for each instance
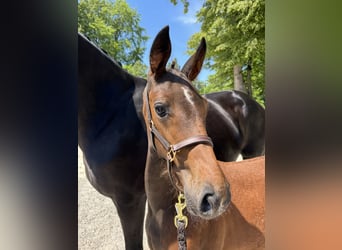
(161, 195)
(161, 198)
(104, 89)
(98, 91)
(103, 94)
(140, 85)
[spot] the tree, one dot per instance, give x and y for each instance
(114, 27)
(137, 69)
(235, 35)
(199, 85)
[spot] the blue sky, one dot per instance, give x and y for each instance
(157, 14)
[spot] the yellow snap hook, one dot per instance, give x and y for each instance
(180, 205)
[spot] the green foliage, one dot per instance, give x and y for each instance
(235, 34)
(185, 3)
(137, 69)
(210, 86)
(114, 27)
(199, 85)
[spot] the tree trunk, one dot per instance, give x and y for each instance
(238, 80)
(249, 83)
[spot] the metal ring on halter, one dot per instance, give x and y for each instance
(171, 154)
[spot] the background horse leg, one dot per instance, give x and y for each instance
(131, 213)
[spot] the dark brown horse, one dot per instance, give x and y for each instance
(112, 134)
(181, 159)
(236, 124)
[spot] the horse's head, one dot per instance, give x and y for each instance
(175, 114)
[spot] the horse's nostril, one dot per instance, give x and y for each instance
(208, 202)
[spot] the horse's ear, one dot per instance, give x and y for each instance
(160, 52)
(193, 66)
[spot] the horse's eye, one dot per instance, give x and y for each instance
(160, 110)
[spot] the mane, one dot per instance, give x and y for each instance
(100, 50)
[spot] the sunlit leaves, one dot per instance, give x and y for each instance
(185, 4)
(114, 27)
(137, 69)
(235, 34)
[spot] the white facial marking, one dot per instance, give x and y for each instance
(188, 95)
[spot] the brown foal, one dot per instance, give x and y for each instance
(181, 160)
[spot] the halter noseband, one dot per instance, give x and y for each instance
(172, 149)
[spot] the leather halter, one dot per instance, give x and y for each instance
(171, 149)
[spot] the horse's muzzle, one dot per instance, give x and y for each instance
(211, 204)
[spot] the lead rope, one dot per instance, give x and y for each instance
(181, 222)
(181, 235)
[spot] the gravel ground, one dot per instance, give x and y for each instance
(98, 223)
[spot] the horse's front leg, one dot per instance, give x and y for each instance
(131, 210)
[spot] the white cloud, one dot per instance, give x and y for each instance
(190, 17)
(187, 19)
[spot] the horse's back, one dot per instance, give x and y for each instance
(241, 119)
